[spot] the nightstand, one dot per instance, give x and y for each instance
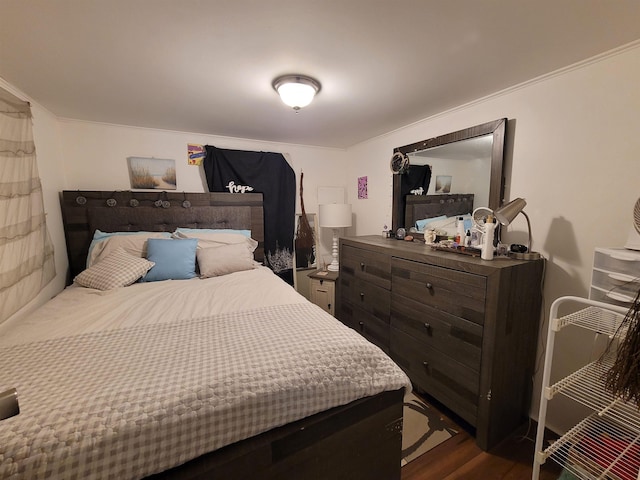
(323, 290)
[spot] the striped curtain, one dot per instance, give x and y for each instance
(26, 251)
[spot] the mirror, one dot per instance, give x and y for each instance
(468, 161)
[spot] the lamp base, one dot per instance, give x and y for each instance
(525, 256)
(334, 266)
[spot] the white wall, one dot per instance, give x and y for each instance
(573, 152)
(50, 169)
(96, 159)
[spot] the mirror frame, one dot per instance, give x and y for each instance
(496, 184)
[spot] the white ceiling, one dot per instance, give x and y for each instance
(206, 66)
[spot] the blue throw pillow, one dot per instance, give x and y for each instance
(422, 224)
(175, 259)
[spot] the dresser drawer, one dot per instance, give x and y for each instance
(438, 330)
(449, 381)
(370, 327)
(459, 293)
(366, 265)
(368, 297)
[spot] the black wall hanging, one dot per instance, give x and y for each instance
(238, 171)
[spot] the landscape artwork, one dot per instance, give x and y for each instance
(443, 184)
(152, 173)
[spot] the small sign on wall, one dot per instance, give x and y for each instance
(362, 188)
(195, 154)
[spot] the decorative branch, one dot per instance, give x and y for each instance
(623, 379)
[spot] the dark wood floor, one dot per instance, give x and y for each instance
(460, 458)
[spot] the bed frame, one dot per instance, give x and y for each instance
(429, 206)
(358, 441)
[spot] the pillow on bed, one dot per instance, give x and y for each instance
(449, 224)
(421, 225)
(216, 261)
(209, 240)
(194, 232)
(174, 259)
(134, 243)
(118, 269)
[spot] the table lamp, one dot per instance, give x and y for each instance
(505, 215)
(335, 216)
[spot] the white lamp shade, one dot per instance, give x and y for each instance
(335, 215)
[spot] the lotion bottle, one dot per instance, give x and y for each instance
(487, 240)
(460, 235)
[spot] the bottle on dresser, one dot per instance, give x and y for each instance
(487, 239)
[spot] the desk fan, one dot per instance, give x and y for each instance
(633, 242)
(479, 217)
(399, 163)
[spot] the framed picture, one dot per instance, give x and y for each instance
(152, 173)
(362, 188)
(443, 183)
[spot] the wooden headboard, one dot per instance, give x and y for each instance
(85, 211)
(429, 206)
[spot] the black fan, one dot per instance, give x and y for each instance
(399, 163)
(633, 242)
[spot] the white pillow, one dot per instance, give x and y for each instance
(134, 243)
(212, 240)
(118, 269)
(222, 260)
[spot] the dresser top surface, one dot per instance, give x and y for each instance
(418, 251)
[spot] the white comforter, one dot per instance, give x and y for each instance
(140, 379)
(80, 310)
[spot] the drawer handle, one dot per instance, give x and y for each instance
(361, 295)
(427, 326)
(361, 325)
(362, 265)
(623, 257)
(425, 364)
(621, 277)
(429, 285)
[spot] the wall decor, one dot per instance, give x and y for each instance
(443, 183)
(362, 188)
(270, 174)
(152, 173)
(195, 154)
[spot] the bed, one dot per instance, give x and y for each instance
(234, 375)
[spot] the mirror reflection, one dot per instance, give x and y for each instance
(459, 167)
(454, 172)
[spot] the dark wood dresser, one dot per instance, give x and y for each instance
(464, 329)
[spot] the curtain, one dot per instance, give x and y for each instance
(26, 250)
(238, 171)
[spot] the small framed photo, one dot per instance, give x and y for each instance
(152, 173)
(443, 183)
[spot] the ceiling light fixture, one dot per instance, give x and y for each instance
(297, 91)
